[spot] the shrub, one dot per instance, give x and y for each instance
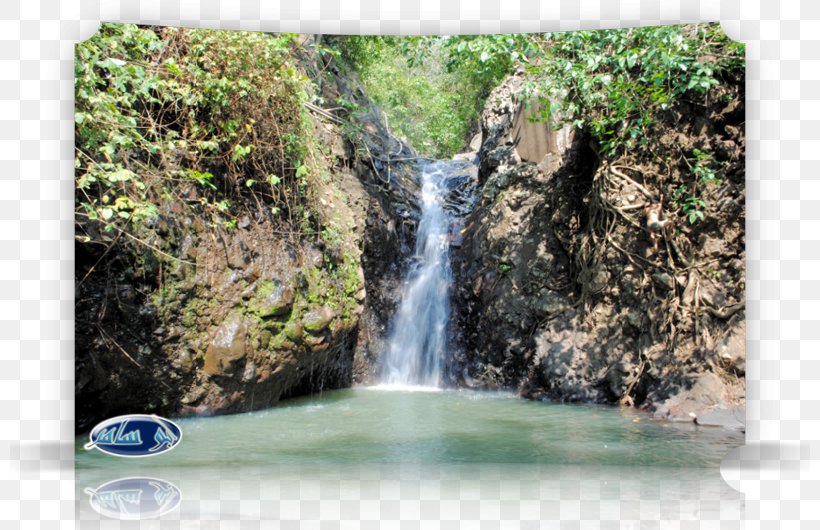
(159, 110)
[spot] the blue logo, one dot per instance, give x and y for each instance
(134, 498)
(135, 435)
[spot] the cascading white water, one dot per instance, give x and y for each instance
(415, 351)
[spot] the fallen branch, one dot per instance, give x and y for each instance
(626, 399)
(117, 344)
(323, 112)
(677, 250)
(727, 312)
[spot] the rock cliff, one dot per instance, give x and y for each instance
(207, 319)
(561, 291)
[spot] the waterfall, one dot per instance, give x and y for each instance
(416, 346)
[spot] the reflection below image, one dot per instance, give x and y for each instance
(134, 498)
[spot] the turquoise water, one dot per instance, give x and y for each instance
(376, 425)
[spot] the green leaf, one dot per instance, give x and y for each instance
(240, 152)
(203, 178)
(85, 181)
(173, 67)
(107, 213)
(122, 175)
(208, 145)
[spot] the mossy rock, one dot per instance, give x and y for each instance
(317, 320)
(273, 300)
(185, 360)
(313, 342)
(265, 338)
(294, 331)
(281, 342)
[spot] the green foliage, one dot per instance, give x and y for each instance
(691, 204)
(615, 83)
(692, 207)
(618, 84)
(703, 170)
(429, 97)
(349, 272)
(332, 235)
(215, 120)
(157, 108)
(364, 52)
(204, 179)
(486, 59)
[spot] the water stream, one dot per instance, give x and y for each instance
(416, 349)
